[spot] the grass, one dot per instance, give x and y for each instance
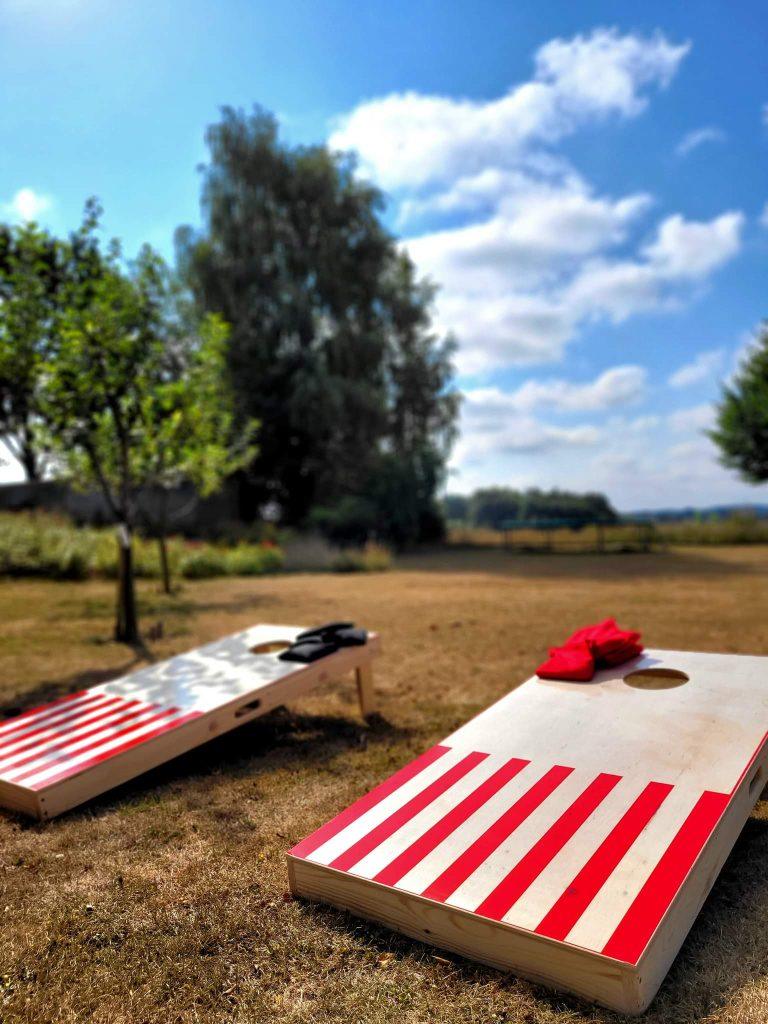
(165, 901)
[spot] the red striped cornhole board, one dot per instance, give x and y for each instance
(58, 755)
(570, 832)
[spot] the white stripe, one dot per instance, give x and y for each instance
(55, 731)
(599, 920)
(71, 763)
(471, 893)
(54, 755)
(555, 878)
(432, 866)
(44, 714)
(386, 852)
(375, 815)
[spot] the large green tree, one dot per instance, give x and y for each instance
(741, 430)
(331, 348)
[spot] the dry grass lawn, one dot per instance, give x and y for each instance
(166, 900)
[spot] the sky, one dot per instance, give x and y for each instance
(587, 184)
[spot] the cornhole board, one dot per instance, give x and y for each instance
(569, 833)
(61, 754)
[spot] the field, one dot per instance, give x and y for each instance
(165, 901)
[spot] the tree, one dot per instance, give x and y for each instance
(188, 431)
(37, 271)
(331, 348)
(741, 430)
(128, 399)
(30, 277)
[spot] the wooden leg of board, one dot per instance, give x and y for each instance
(364, 680)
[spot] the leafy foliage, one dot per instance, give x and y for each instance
(37, 271)
(741, 431)
(135, 392)
(494, 506)
(331, 347)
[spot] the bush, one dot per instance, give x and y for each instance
(371, 558)
(247, 560)
(43, 545)
(203, 564)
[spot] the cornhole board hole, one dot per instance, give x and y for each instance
(570, 833)
(56, 756)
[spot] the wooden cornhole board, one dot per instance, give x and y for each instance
(569, 833)
(56, 756)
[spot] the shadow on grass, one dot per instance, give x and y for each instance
(497, 561)
(51, 689)
(725, 951)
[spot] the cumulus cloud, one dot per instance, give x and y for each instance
(410, 139)
(697, 418)
(485, 439)
(27, 205)
(682, 252)
(702, 367)
(618, 387)
(538, 252)
(516, 288)
(699, 137)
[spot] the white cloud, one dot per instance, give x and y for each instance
(697, 418)
(620, 386)
(539, 252)
(699, 137)
(764, 216)
(691, 249)
(486, 439)
(27, 205)
(410, 139)
(682, 252)
(702, 367)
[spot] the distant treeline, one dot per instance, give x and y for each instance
(496, 507)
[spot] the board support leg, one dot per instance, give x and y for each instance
(365, 694)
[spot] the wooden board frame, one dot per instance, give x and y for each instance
(624, 982)
(204, 713)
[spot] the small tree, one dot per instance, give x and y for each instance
(188, 423)
(741, 430)
(123, 406)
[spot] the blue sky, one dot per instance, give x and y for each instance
(586, 183)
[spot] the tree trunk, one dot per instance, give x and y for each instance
(29, 461)
(165, 567)
(127, 621)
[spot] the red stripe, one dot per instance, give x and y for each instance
(98, 758)
(94, 713)
(574, 901)
(418, 850)
(456, 873)
(43, 749)
(403, 814)
(21, 721)
(94, 745)
(651, 903)
(513, 885)
(365, 803)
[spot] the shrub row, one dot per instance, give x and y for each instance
(42, 545)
